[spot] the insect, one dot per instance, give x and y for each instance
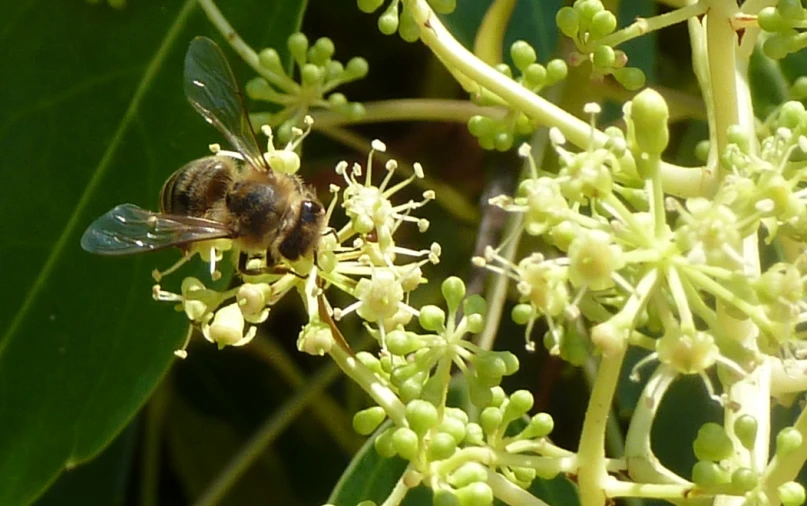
(264, 212)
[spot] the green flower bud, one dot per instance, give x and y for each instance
(476, 323)
(798, 90)
(369, 361)
(541, 425)
(409, 30)
(787, 441)
(403, 372)
(490, 368)
(298, 47)
(421, 416)
(454, 291)
(480, 126)
(790, 115)
(474, 435)
(497, 396)
(708, 474)
(357, 67)
(745, 428)
(521, 314)
(504, 69)
(259, 88)
(443, 6)
(367, 420)
(523, 54)
(412, 388)
(402, 343)
(534, 75)
(475, 494)
(777, 47)
(354, 110)
(311, 74)
(568, 21)
(490, 419)
(791, 493)
(443, 497)
(503, 141)
(432, 318)
(602, 24)
(712, 443)
(630, 77)
(744, 479)
(603, 57)
(454, 427)
(770, 20)
(388, 22)
(441, 446)
(650, 115)
(321, 51)
(470, 472)
(367, 503)
(790, 9)
(383, 444)
(337, 99)
(524, 474)
(556, 70)
(475, 304)
(269, 59)
(405, 442)
(702, 150)
(521, 401)
(479, 393)
(369, 6)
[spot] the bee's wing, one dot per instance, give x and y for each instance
(213, 91)
(128, 229)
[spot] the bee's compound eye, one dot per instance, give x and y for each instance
(310, 211)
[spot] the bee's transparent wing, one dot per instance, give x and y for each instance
(213, 91)
(129, 229)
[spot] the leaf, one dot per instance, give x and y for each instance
(104, 480)
(93, 116)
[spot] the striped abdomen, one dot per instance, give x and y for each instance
(198, 186)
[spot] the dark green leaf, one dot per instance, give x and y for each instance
(93, 116)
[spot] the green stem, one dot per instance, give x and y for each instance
(244, 50)
(643, 466)
(407, 109)
(643, 26)
(509, 493)
(400, 490)
(490, 36)
(784, 469)
(592, 473)
(678, 181)
(370, 383)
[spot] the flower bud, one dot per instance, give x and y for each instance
(441, 446)
(791, 494)
(357, 67)
(454, 427)
(270, 60)
(541, 425)
(454, 291)
(788, 440)
(745, 428)
(522, 54)
(712, 443)
(383, 444)
(298, 46)
(432, 318)
(708, 474)
(490, 419)
(650, 114)
(521, 401)
(470, 472)
(744, 479)
(421, 416)
(406, 443)
(474, 435)
(475, 494)
(367, 420)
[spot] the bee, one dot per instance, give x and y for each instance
(264, 212)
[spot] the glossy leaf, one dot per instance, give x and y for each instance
(93, 114)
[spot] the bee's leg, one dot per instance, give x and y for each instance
(331, 231)
(243, 259)
(158, 275)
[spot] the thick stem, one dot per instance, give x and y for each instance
(592, 473)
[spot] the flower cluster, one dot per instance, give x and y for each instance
(319, 73)
(648, 280)
(361, 259)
